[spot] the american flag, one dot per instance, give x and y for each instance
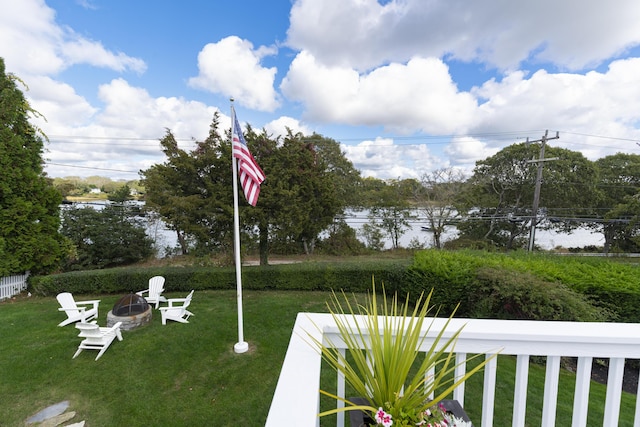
(251, 176)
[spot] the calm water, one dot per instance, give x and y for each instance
(356, 219)
(544, 239)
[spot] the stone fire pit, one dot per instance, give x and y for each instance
(132, 310)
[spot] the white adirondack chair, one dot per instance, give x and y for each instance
(177, 309)
(97, 338)
(76, 310)
(156, 287)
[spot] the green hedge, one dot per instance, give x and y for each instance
(470, 278)
(351, 276)
(610, 284)
(507, 294)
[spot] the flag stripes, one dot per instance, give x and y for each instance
(251, 176)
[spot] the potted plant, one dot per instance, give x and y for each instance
(391, 373)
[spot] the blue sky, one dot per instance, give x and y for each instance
(406, 86)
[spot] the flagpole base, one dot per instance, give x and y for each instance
(241, 347)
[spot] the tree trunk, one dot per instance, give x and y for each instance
(309, 246)
(609, 234)
(182, 241)
(264, 244)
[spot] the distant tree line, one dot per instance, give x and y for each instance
(73, 187)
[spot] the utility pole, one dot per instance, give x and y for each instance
(536, 195)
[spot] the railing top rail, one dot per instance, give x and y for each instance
(551, 338)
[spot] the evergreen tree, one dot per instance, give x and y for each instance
(192, 192)
(29, 204)
(105, 238)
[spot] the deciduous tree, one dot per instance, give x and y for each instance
(391, 212)
(619, 181)
(436, 199)
(500, 196)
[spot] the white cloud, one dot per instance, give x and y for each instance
(59, 102)
(34, 44)
(81, 50)
(134, 112)
(465, 151)
(278, 127)
(123, 136)
(418, 96)
(233, 68)
(384, 159)
(595, 103)
(362, 34)
(363, 63)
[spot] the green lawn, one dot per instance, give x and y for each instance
(178, 374)
(186, 374)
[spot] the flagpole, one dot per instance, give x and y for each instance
(241, 346)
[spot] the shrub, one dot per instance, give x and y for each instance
(449, 274)
(342, 240)
(509, 294)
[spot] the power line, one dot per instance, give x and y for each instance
(88, 167)
(448, 138)
(601, 136)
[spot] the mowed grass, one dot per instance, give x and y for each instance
(189, 375)
(173, 375)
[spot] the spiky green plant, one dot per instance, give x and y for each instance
(390, 370)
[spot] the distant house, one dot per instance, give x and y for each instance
(95, 191)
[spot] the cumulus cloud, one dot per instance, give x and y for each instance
(465, 151)
(379, 64)
(598, 103)
(382, 158)
(278, 127)
(363, 34)
(34, 44)
(59, 102)
(417, 96)
(232, 67)
(121, 137)
(134, 111)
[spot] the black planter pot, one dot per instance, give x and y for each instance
(362, 419)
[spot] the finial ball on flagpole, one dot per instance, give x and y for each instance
(231, 99)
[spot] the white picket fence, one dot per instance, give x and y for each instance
(13, 285)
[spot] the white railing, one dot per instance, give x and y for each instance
(13, 285)
(296, 398)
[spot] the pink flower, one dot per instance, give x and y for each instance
(383, 418)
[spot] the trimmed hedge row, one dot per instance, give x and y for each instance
(351, 276)
(610, 286)
(515, 285)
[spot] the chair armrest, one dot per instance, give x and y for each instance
(176, 301)
(116, 326)
(81, 309)
(95, 302)
(141, 293)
